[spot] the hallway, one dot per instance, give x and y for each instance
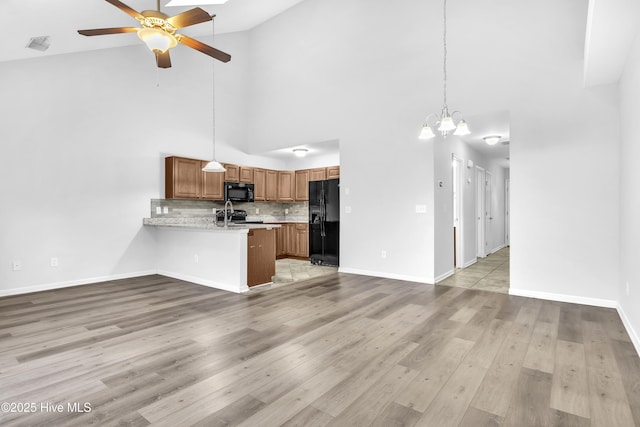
(488, 274)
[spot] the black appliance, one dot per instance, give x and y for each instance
(324, 222)
(238, 192)
(238, 216)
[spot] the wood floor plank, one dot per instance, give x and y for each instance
(336, 350)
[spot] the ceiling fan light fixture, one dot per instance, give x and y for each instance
(492, 139)
(158, 41)
(194, 2)
(300, 152)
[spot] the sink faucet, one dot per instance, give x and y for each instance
(228, 202)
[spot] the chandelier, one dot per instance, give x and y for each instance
(444, 122)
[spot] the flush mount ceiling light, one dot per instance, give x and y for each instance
(492, 139)
(300, 152)
(158, 31)
(445, 122)
(213, 165)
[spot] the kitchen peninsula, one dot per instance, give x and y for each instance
(199, 251)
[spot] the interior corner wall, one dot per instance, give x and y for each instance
(629, 300)
(83, 140)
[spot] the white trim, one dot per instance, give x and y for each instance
(441, 277)
(493, 251)
(418, 279)
(70, 283)
(635, 340)
(564, 298)
(470, 263)
(204, 282)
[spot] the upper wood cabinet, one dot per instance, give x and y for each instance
(302, 185)
(182, 178)
(286, 186)
(260, 185)
(232, 174)
(246, 174)
(319, 174)
(212, 187)
(333, 172)
(272, 185)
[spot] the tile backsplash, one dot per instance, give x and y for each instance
(260, 211)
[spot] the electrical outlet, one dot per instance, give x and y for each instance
(214, 210)
(383, 254)
(158, 210)
(347, 191)
(196, 258)
(17, 265)
(165, 209)
(421, 208)
(54, 261)
(257, 211)
(347, 209)
(286, 211)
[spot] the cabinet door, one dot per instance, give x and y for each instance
(212, 184)
(246, 174)
(302, 185)
(333, 172)
(272, 185)
(280, 241)
(291, 240)
(261, 256)
(182, 178)
(286, 185)
(319, 174)
(260, 185)
(302, 240)
(232, 174)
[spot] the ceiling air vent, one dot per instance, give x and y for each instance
(39, 43)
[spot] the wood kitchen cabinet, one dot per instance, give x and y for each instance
(232, 174)
(302, 185)
(182, 178)
(261, 256)
(272, 185)
(212, 187)
(281, 247)
(246, 174)
(333, 172)
(286, 186)
(292, 240)
(185, 179)
(319, 174)
(301, 232)
(260, 185)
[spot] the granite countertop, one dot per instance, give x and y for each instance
(202, 224)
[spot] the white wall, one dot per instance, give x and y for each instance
(83, 138)
(629, 194)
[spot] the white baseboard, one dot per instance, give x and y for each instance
(498, 248)
(70, 283)
(564, 298)
(470, 263)
(204, 282)
(627, 325)
(407, 278)
(441, 277)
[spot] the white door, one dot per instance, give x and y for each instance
(480, 195)
(488, 207)
(458, 179)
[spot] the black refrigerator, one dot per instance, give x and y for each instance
(324, 222)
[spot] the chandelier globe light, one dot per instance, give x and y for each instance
(446, 122)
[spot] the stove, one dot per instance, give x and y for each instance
(239, 216)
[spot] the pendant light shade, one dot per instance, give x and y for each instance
(213, 165)
(446, 124)
(462, 129)
(427, 132)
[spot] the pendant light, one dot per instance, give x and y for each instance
(213, 165)
(444, 122)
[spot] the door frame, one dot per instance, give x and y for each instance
(457, 165)
(488, 208)
(480, 223)
(507, 209)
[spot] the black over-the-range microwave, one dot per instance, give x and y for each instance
(238, 192)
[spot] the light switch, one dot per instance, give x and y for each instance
(421, 208)
(347, 209)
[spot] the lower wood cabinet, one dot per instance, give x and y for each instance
(261, 256)
(292, 240)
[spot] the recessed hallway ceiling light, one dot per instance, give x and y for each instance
(300, 152)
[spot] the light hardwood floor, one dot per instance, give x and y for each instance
(339, 350)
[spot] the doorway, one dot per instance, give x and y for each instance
(480, 223)
(488, 212)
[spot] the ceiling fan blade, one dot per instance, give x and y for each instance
(126, 9)
(190, 17)
(206, 49)
(103, 31)
(163, 60)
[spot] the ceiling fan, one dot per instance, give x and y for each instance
(158, 31)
